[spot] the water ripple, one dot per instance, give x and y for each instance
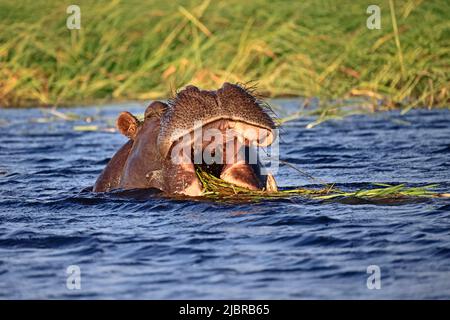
(140, 244)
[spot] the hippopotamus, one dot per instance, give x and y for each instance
(217, 130)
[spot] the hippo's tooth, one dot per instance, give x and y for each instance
(271, 184)
(193, 189)
(443, 195)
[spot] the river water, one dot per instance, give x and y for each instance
(142, 245)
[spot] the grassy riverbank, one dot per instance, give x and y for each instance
(145, 50)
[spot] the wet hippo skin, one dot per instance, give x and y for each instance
(163, 148)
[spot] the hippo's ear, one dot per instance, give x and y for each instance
(127, 124)
(155, 109)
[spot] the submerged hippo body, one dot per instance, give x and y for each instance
(164, 149)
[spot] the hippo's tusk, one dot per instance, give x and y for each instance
(443, 195)
(271, 184)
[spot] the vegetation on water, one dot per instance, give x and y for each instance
(217, 189)
(147, 49)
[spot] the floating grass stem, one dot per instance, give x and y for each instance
(217, 189)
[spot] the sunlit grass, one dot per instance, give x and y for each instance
(147, 49)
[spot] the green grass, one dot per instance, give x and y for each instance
(219, 190)
(143, 50)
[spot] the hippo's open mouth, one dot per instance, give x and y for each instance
(223, 148)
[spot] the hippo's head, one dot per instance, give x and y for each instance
(212, 129)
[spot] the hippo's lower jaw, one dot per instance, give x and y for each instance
(239, 174)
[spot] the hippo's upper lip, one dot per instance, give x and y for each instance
(193, 108)
(252, 132)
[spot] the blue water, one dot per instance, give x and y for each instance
(139, 245)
